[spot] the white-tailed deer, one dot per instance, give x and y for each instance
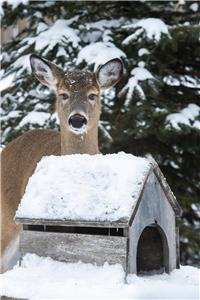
(78, 106)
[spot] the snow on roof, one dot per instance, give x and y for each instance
(84, 187)
(86, 281)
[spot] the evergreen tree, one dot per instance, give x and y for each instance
(152, 111)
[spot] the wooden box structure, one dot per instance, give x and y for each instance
(146, 241)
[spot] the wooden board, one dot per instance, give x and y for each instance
(75, 247)
(122, 223)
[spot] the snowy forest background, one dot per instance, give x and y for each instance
(154, 110)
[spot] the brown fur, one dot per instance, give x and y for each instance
(19, 158)
(16, 167)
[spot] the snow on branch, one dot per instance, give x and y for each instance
(35, 117)
(99, 53)
(104, 131)
(57, 34)
(187, 116)
(139, 74)
(185, 80)
(152, 28)
(45, 39)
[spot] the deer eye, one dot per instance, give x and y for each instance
(92, 97)
(64, 96)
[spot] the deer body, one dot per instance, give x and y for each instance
(78, 107)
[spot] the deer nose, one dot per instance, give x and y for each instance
(77, 121)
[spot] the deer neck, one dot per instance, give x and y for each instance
(86, 143)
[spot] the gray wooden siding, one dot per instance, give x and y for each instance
(153, 207)
(74, 247)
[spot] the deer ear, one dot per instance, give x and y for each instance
(45, 71)
(110, 73)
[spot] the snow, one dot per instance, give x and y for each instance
(143, 51)
(196, 124)
(44, 278)
(105, 24)
(11, 115)
(6, 82)
(41, 27)
(191, 112)
(185, 80)
(34, 117)
(170, 80)
(104, 130)
(99, 53)
(54, 117)
(49, 36)
(152, 28)
(21, 64)
(194, 7)
(186, 116)
(190, 82)
(139, 74)
(84, 187)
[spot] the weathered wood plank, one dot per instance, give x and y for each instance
(79, 223)
(74, 247)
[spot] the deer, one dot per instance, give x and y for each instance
(78, 105)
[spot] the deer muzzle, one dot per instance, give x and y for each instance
(77, 122)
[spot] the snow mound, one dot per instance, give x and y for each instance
(44, 278)
(99, 53)
(84, 187)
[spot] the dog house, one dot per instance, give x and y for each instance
(114, 208)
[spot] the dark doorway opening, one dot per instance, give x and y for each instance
(152, 251)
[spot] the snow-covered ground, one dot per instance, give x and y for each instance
(44, 278)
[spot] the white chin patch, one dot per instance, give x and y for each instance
(78, 131)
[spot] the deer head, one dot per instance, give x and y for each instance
(78, 101)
